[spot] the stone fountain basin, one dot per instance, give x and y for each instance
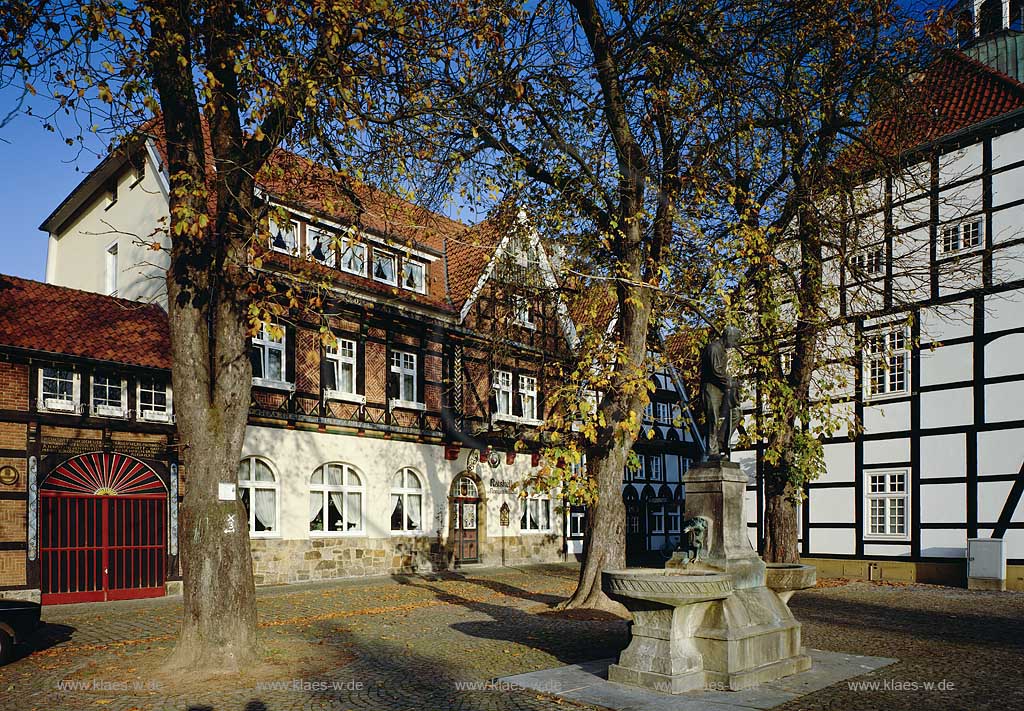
(787, 577)
(668, 587)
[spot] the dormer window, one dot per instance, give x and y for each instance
(284, 238)
(413, 276)
(384, 267)
(319, 244)
(109, 395)
(58, 390)
(353, 257)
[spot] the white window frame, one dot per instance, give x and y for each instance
(887, 488)
(60, 404)
(656, 514)
(673, 518)
(339, 357)
(655, 473)
(381, 254)
(265, 343)
(870, 262)
(153, 414)
(663, 413)
(502, 383)
(119, 411)
(528, 393)
(522, 312)
(535, 501)
(110, 261)
(405, 491)
(886, 359)
(316, 235)
(951, 236)
(577, 519)
(404, 369)
(345, 488)
(406, 264)
(275, 229)
(348, 245)
(252, 484)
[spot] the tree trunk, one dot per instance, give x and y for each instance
(211, 373)
(218, 632)
(780, 524)
(605, 541)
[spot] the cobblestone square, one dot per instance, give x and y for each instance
(439, 642)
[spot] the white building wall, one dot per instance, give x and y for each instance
(76, 256)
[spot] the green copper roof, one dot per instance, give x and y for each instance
(1003, 51)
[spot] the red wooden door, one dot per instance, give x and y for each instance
(103, 530)
(465, 524)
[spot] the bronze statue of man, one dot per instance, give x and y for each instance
(718, 392)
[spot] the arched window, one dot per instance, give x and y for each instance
(406, 501)
(335, 500)
(465, 487)
(258, 489)
(990, 17)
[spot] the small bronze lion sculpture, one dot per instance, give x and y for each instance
(695, 531)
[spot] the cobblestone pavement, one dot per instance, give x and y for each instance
(417, 643)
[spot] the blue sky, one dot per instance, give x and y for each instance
(37, 170)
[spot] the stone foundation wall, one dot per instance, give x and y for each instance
(277, 561)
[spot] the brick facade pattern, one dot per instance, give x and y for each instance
(12, 568)
(13, 386)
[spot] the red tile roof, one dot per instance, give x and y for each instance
(56, 319)
(466, 257)
(954, 93)
(302, 184)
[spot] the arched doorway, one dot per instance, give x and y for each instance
(465, 498)
(103, 530)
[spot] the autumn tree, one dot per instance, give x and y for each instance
(788, 203)
(228, 83)
(589, 117)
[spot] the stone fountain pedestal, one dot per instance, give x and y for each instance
(713, 623)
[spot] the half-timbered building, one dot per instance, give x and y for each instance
(402, 440)
(937, 378)
(88, 455)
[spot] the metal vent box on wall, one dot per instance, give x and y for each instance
(986, 563)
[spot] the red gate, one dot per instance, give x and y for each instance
(103, 530)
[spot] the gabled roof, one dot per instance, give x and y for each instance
(55, 319)
(953, 94)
